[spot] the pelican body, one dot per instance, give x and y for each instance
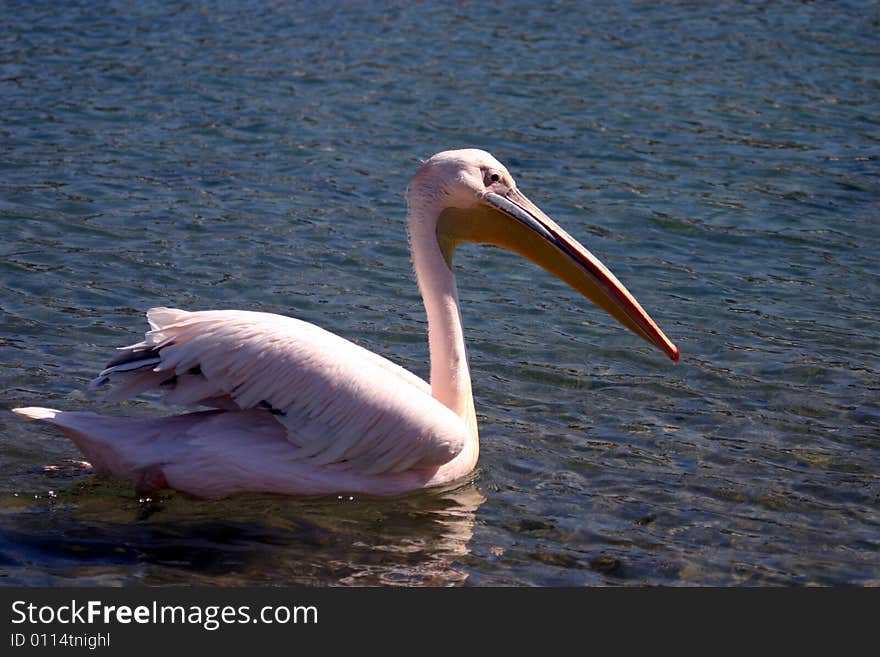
(296, 409)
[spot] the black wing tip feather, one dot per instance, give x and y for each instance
(132, 355)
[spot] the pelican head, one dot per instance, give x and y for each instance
(469, 196)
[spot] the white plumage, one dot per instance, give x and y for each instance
(338, 402)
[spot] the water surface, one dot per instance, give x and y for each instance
(721, 158)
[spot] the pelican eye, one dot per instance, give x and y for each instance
(491, 177)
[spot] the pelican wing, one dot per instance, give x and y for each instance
(341, 405)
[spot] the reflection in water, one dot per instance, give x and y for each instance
(96, 533)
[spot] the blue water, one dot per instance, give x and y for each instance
(721, 158)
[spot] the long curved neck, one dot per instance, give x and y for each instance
(450, 376)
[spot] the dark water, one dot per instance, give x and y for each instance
(722, 158)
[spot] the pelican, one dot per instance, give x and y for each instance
(299, 410)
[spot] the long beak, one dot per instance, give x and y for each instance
(526, 230)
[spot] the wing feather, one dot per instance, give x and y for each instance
(341, 405)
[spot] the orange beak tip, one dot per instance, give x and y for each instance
(675, 355)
